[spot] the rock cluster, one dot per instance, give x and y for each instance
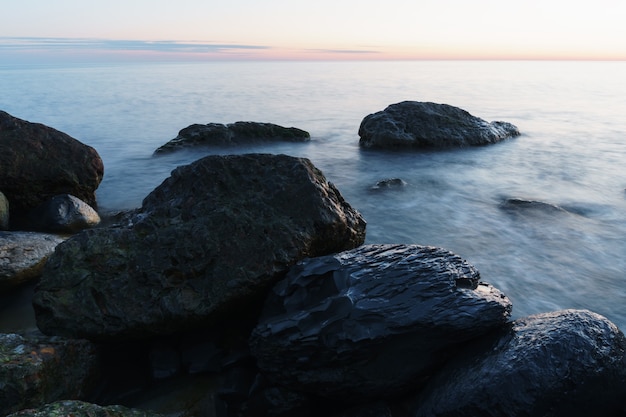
(414, 124)
(238, 133)
(38, 162)
(203, 245)
(254, 268)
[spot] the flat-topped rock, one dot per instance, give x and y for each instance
(414, 124)
(239, 133)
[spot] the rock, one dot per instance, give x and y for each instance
(38, 162)
(389, 183)
(565, 363)
(83, 409)
(4, 212)
(63, 214)
(413, 124)
(372, 322)
(23, 255)
(35, 370)
(208, 243)
(217, 134)
(516, 205)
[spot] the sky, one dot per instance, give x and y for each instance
(57, 30)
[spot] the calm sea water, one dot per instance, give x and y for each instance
(572, 153)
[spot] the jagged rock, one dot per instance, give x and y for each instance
(63, 214)
(414, 124)
(4, 212)
(565, 363)
(206, 244)
(23, 255)
(35, 370)
(373, 321)
(83, 409)
(217, 134)
(38, 162)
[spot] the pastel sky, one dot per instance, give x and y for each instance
(37, 30)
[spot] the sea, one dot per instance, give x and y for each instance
(566, 251)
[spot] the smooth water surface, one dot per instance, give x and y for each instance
(571, 154)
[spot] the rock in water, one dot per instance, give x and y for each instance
(373, 321)
(566, 363)
(38, 162)
(238, 133)
(206, 243)
(83, 409)
(63, 214)
(414, 124)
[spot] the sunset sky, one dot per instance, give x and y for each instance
(40, 30)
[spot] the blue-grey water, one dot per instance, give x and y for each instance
(571, 154)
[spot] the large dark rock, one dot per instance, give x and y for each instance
(23, 255)
(38, 162)
(373, 321)
(206, 243)
(83, 409)
(239, 133)
(4, 212)
(35, 370)
(414, 124)
(63, 214)
(566, 363)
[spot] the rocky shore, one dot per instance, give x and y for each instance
(250, 272)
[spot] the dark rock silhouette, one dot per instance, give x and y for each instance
(414, 124)
(206, 244)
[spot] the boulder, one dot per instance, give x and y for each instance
(207, 243)
(38, 162)
(63, 214)
(35, 370)
(565, 363)
(23, 255)
(83, 409)
(373, 321)
(414, 124)
(4, 212)
(239, 133)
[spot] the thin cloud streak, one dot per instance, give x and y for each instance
(26, 43)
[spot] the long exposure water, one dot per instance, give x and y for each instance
(571, 154)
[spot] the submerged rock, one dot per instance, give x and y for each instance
(35, 370)
(23, 255)
(519, 204)
(206, 245)
(217, 134)
(566, 363)
(38, 162)
(83, 409)
(372, 322)
(413, 124)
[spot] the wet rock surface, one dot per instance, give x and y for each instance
(35, 370)
(206, 244)
(564, 363)
(23, 255)
(238, 133)
(82, 409)
(414, 124)
(63, 214)
(4, 212)
(373, 321)
(38, 162)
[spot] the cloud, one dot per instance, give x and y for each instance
(164, 46)
(343, 51)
